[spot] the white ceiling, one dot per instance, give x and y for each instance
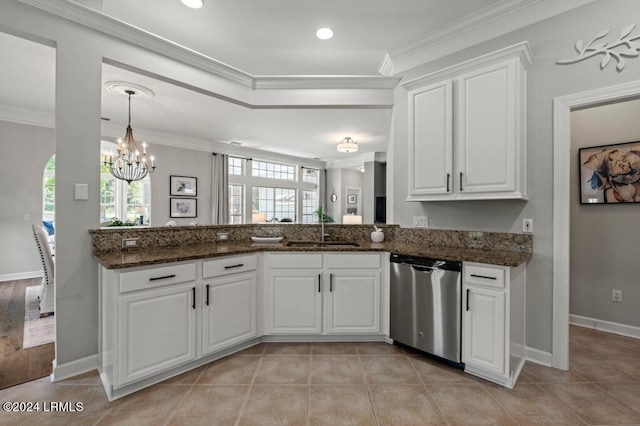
(258, 37)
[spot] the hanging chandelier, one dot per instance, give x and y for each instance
(129, 163)
(347, 145)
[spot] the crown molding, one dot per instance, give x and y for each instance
(521, 50)
(386, 68)
(31, 117)
(325, 82)
(488, 23)
(106, 24)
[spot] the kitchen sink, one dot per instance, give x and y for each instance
(321, 244)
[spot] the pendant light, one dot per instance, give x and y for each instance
(129, 163)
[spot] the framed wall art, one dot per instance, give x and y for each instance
(352, 199)
(610, 173)
(183, 186)
(183, 207)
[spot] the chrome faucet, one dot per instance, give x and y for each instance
(323, 216)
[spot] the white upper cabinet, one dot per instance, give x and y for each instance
(467, 127)
(431, 136)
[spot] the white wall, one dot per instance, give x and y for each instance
(550, 41)
(604, 237)
(25, 152)
(180, 162)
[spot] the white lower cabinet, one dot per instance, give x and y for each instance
(157, 330)
(315, 293)
(156, 322)
(229, 311)
(493, 322)
(353, 301)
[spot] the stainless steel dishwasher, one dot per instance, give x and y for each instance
(426, 311)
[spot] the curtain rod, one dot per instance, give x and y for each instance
(236, 156)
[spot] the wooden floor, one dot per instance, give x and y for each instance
(19, 365)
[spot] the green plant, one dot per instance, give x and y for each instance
(323, 217)
(117, 222)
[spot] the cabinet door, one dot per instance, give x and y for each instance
(157, 330)
(294, 302)
(431, 139)
(229, 311)
(486, 128)
(353, 301)
(484, 341)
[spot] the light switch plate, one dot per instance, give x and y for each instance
(81, 191)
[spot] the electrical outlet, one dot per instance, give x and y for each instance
(222, 236)
(616, 295)
(420, 221)
(527, 225)
(129, 242)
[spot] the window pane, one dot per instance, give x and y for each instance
(236, 204)
(275, 203)
(309, 206)
(310, 175)
(49, 190)
(270, 170)
(236, 166)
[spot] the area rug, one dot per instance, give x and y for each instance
(37, 331)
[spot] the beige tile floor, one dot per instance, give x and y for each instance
(360, 384)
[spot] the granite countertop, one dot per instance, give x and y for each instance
(131, 258)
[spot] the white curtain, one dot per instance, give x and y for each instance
(220, 189)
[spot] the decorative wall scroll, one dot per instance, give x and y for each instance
(625, 46)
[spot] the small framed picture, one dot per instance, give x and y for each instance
(183, 186)
(183, 207)
(352, 199)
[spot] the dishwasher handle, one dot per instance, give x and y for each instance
(425, 268)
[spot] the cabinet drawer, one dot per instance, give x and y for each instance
(296, 260)
(229, 265)
(353, 260)
(484, 275)
(156, 277)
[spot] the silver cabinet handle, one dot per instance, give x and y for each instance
(448, 180)
(319, 283)
(193, 305)
(330, 282)
(460, 181)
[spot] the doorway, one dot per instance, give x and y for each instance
(562, 107)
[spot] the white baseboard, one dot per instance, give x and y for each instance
(538, 356)
(21, 276)
(608, 326)
(74, 368)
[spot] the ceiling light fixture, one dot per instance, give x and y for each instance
(129, 164)
(193, 4)
(347, 145)
(324, 33)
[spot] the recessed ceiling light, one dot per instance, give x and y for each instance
(193, 4)
(324, 33)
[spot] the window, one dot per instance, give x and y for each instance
(122, 201)
(309, 206)
(236, 204)
(279, 191)
(310, 175)
(49, 190)
(236, 166)
(270, 170)
(275, 203)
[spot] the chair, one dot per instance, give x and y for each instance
(47, 292)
